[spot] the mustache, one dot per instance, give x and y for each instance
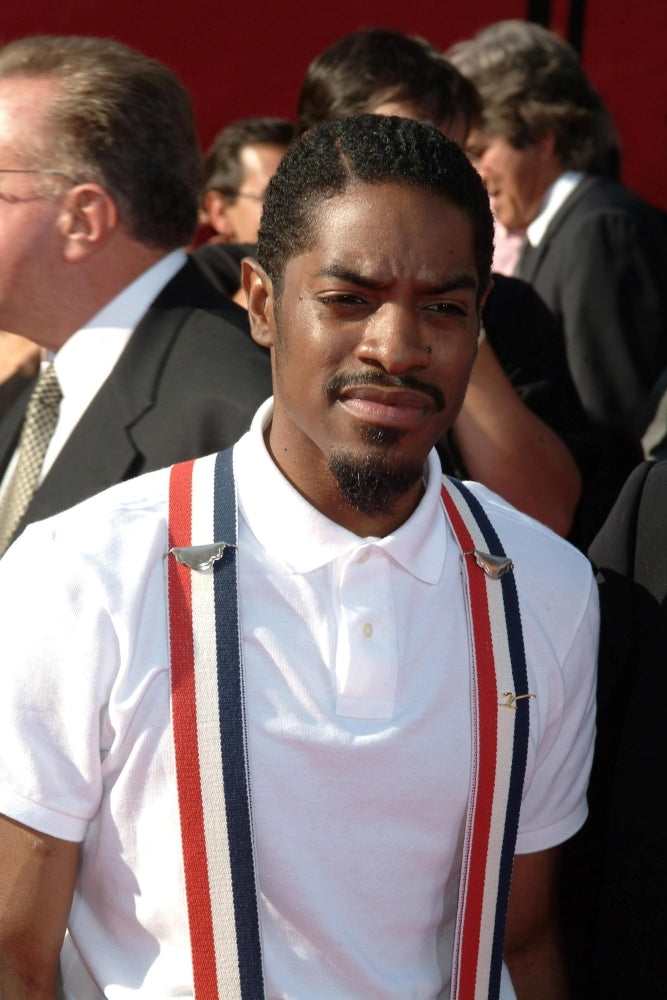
(337, 383)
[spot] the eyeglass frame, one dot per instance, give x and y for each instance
(41, 170)
(227, 193)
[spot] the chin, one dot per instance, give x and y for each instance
(372, 482)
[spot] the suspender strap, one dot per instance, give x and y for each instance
(500, 728)
(211, 773)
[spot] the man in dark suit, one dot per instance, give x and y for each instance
(548, 152)
(99, 180)
(616, 868)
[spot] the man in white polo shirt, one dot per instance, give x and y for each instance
(353, 728)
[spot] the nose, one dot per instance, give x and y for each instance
(395, 341)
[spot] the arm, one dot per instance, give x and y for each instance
(37, 875)
(532, 936)
(508, 448)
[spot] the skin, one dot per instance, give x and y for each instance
(516, 179)
(237, 220)
(37, 875)
(533, 949)
(66, 252)
(506, 446)
(17, 355)
(388, 288)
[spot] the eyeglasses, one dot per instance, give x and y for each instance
(247, 194)
(45, 170)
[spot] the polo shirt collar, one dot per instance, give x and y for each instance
(286, 525)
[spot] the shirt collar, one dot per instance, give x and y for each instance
(555, 196)
(304, 539)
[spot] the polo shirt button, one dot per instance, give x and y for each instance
(367, 629)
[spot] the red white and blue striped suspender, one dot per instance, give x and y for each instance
(213, 787)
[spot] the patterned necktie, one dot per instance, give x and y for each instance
(38, 426)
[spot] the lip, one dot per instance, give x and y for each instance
(402, 408)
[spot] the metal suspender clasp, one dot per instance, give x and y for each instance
(493, 566)
(200, 557)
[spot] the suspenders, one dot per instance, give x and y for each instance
(211, 775)
(213, 788)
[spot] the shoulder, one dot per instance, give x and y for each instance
(116, 534)
(633, 541)
(211, 355)
(191, 300)
(221, 263)
(548, 569)
(606, 206)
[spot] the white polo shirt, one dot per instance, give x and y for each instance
(357, 676)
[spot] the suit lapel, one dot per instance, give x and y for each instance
(531, 257)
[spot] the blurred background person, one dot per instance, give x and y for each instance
(615, 869)
(548, 152)
(237, 169)
(148, 362)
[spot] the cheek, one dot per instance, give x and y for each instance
(458, 363)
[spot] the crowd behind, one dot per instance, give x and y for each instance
(565, 415)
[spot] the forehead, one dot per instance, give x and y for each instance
(23, 105)
(261, 159)
(388, 231)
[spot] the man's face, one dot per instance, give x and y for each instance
(239, 219)
(28, 218)
(516, 179)
(372, 339)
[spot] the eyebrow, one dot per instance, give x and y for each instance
(352, 277)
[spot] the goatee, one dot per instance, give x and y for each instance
(370, 484)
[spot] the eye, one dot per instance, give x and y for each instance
(342, 299)
(447, 309)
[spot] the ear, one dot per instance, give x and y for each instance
(546, 145)
(215, 213)
(88, 219)
(258, 288)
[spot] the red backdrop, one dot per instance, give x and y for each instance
(248, 59)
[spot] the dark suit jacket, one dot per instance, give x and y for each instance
(187, 384)
(601, 268)
(615, 874)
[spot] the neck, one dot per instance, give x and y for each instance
(322, 488)
(82, 291)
